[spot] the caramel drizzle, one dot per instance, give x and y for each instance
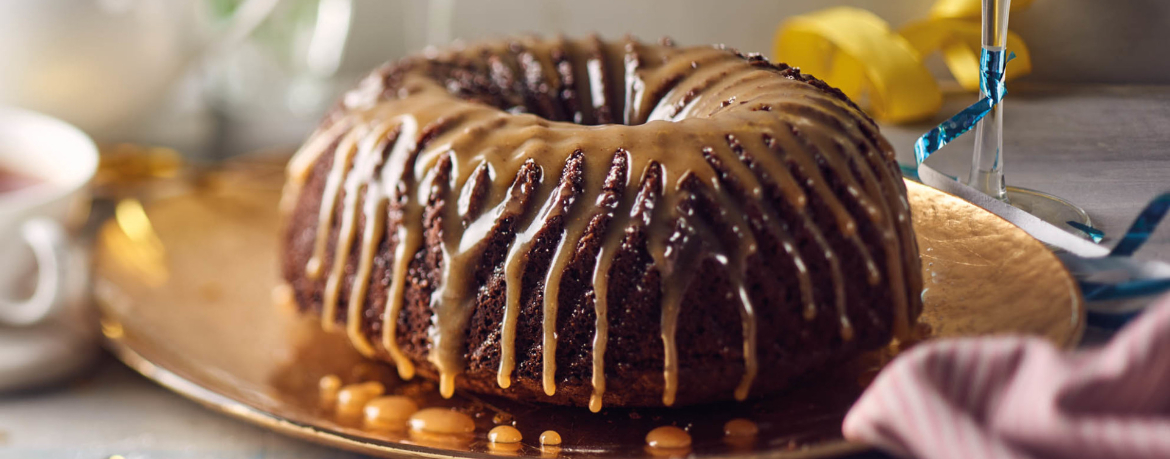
(724, 164)
(551, 300)
(574, 229)
(771, 221)
(482, 142)
(683, 242)
(341, 158)
(616, 227)
(395, 184)
(705, 70)
(885, 174)
(374, 207)
(598, 83)
(567, 79)
(363, 170)
(514, 266)
(797, 198)
(635, 85)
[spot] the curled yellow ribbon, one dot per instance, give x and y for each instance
(884, 70)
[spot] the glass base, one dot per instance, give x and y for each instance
(1050, 208)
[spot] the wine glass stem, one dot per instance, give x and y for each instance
(987, 162)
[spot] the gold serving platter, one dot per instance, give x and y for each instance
(186, 289)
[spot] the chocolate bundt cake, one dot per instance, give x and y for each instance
(585, 222)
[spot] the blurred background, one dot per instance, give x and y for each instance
(216, 78)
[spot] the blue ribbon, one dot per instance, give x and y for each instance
(1137, 234)
(1095, 234)
(1142, 226)
(992, 64)
(1094, 291)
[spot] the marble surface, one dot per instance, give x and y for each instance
(1106, 148)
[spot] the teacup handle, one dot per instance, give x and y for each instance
(48, 242)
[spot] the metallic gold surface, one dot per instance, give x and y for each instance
(209, 331)
(983, 275)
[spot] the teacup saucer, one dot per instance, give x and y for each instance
(45, 353)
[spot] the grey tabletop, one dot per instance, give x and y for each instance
(1106, 149)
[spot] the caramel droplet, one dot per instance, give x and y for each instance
(504, 434)
(669, 437)
(595, 403)
(441, 421)
(740, 428)
(327, 389)
(352, 398)
(550, 438)
(284, 297)
(446, 385)
(390, 412)
(112, 329)
(313, 268)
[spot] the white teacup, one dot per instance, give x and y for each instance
(43, 333)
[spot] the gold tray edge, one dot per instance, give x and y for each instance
(224, 404)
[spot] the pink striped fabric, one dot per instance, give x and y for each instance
(1015, 397)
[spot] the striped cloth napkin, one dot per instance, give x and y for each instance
(1017, 397)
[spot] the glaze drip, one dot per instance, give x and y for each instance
(406, 215)
(556, 208)
(474, 156)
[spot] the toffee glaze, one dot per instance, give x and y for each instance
(708, 135)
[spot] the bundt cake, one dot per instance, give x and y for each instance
(584, 222)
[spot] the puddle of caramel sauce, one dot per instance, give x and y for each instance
(808, 414)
